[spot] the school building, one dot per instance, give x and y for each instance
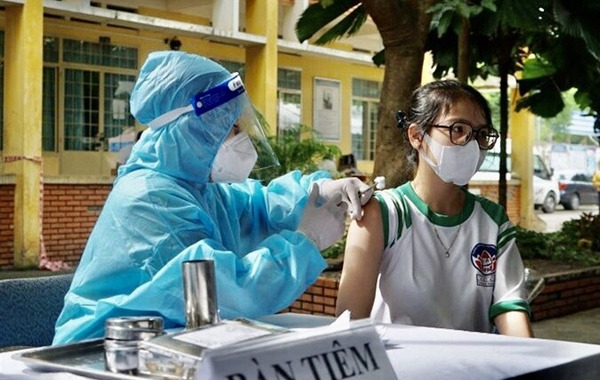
(67, 69)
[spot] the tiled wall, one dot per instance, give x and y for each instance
(70, 211)
(319, 299)
(7, 205)
(563, 294)
(568, 292)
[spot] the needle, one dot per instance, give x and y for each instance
(378, 183)
(365, 191)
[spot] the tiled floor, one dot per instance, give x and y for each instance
(582, 327)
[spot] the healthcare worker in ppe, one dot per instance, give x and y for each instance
(184, 195)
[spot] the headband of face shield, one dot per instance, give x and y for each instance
(231, 89)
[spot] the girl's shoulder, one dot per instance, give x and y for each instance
(395, 212)
(493, 209)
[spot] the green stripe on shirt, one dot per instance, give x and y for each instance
(506, 236)
(384, 216)
(506, 306)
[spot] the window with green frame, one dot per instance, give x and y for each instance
(364, 117)
(98, 79)
(289, 99)
(110, 67)
(96, 98)
(49, 94)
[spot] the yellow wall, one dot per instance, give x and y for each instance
(94, 163)
(100, 163)
(312, 68)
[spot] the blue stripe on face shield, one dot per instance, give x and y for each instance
(218, 95)
(204, 101)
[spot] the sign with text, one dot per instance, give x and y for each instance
(355, 352)
(327, 104)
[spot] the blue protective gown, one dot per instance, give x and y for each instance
(163, 211)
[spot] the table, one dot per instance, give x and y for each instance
(425, 353)
(429, 353)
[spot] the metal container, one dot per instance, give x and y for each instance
(121, 356)
(200, 293)
(121, 341)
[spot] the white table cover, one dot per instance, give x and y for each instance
(428, 353)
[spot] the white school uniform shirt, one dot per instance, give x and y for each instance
(483, 275)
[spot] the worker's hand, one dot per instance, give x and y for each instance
(355, 193)
(323, 224)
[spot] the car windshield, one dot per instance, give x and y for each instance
(491, 163)
(581, 177)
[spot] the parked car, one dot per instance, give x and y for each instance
(545, 188)
(576, 189)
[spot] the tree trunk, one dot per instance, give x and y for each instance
(463, 51)
(504, 62)
(503, 135)
(403, 27)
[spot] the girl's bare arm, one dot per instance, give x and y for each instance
(362, 258)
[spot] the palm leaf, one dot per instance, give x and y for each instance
(318, 15)
(379, 58)
(346, 27)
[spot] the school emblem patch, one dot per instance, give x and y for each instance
(483, 258)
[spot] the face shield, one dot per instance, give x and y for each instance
(228, 96)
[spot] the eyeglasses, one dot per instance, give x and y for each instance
(461, 133)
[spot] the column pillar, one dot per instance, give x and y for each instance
(261, 61)
(290, 16)
(23, 70)
(522, 134)
(226, 15)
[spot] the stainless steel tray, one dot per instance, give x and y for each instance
(84, 358)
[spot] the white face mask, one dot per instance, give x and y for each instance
(455, 163)
(234, 160)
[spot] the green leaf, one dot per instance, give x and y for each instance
(444, 23)
(297, 149)
(531, 84)
(489, 4)
(537, 67)
(523, 15)
(318, 15)
(582, 98)
(347, 26)
(580, 20)
(547, 103)
(379, 58)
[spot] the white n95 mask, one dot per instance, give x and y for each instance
(234, 160)
(455, 163)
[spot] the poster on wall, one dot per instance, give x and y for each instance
(326, 109)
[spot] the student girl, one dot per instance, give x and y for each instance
(430, 253)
